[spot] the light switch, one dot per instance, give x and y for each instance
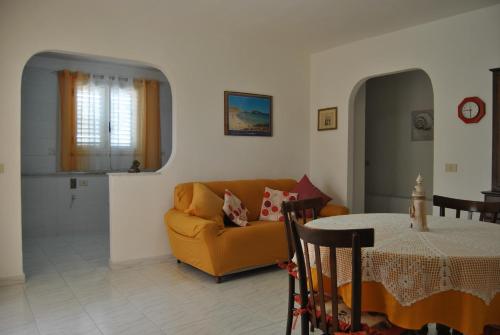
(450, 167)
(83, 182)
(1, 168)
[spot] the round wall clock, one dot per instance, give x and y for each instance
(471, 110)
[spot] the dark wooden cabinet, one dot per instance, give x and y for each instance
(495, 180)
(494, 194)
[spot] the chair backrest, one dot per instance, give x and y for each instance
(355, 239)
(304, 209)
(469, 206)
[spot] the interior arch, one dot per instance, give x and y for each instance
(356, 139)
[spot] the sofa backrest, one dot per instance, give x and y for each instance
(249, 191)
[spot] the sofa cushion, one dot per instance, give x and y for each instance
(248, 191)
(234, 209)
(271, 204)
(308, 190)
(206, 204)
(333, 210)
(189, 225)
(258, 243)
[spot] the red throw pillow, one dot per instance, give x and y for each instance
(271, 204)
(307, 190)
(234, 209)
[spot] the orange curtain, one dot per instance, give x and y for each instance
(68, 81)
(148, 124)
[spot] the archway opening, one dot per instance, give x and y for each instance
(65, 207)
(391, 142)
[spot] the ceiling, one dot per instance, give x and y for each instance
(306, 25)
(316, 25)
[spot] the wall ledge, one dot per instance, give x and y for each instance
(119, 265)
(127, 174)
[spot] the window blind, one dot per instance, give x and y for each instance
(123, 117)
(90, 111)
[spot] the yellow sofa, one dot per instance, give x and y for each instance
(220, 251)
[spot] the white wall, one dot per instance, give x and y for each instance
(51, 208)
(358, 154)
(394, 159)
(391, 204)
(199, 65)
(456, 55)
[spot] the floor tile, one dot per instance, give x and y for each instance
(142, 326)
(71, 290)
(14, 312)
(115, 311)
(25, 329)
(76, 325)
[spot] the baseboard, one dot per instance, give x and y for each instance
(252, 268)
(12, 280)
(140, 261)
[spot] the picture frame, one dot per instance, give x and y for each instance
(422, 125)
(248, 114)
(327, 118)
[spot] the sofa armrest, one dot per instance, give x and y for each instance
(189, 225)
(333, 209)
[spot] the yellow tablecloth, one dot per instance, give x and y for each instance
(449, 275)
(461, 311)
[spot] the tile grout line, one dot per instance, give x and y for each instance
(129, 302)
(156, 278)
(72, 291)
(140, 311)
(26, 296)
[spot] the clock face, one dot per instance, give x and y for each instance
(470, 110)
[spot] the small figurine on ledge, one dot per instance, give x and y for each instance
(417, 206)
(135, 167)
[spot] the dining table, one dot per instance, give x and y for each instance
(448, 275)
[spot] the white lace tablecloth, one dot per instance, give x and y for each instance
(456, 254)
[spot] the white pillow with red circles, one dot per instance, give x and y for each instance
(271, 204)
(234, 209)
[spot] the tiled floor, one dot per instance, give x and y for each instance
(70, 290)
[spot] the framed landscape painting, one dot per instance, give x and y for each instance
(248, 114)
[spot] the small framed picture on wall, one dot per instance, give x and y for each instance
(327, 118)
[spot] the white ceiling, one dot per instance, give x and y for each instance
(315, 24)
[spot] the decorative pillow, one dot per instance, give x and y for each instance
(307, 190)
(234, 209)
(271, 204)
(206, 204)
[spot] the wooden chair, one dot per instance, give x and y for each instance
(483, 208)
(317, 306)
(492, 330)
(486, 210)
(303, 209)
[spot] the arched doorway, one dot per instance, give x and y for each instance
(65, 212)
(391, 142)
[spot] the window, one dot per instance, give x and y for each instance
(90, 111)
(106, 113)
(123, 117)
(108, 122)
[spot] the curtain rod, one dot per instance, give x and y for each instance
(113, 77)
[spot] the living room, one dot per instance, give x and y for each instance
(306, 55)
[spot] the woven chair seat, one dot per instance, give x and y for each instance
(372, 320)
(373, 323)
